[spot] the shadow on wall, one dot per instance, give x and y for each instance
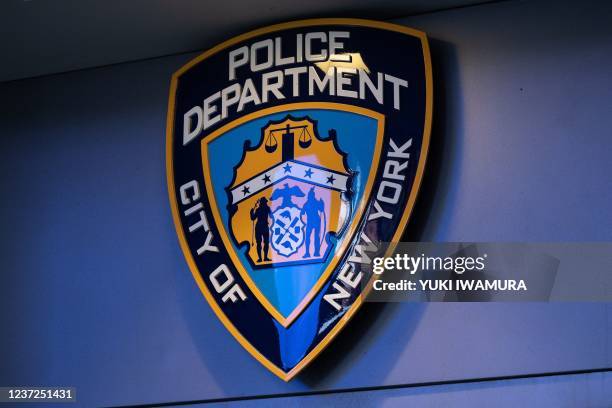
(370, 322)
(429, 221)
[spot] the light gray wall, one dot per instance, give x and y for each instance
(94, 291)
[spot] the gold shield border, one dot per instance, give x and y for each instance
(359, 211)
(286, 376)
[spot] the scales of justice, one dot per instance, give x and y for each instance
(290, 193)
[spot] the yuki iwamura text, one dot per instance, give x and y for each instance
(413, 264)
(316, 64)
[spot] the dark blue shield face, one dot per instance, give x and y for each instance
(293, 151)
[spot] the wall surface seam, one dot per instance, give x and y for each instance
(374, 388)
(200, 50)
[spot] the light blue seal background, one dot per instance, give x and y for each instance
(286, 286)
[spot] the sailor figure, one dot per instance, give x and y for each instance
(260, 214)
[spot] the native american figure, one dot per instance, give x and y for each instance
(314, 210)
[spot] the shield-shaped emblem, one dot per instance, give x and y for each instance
(293, 151)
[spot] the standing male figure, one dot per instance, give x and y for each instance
(260, 214)
(312, 207)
